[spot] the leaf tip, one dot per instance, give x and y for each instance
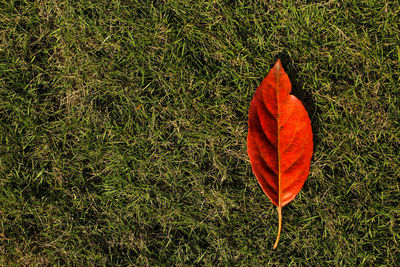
(278, 65)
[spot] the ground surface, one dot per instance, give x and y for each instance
(123, 132)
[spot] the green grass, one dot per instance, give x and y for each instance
(123, 132)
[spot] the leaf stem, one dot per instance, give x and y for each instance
(280, 226)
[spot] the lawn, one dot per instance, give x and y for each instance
(123, 130)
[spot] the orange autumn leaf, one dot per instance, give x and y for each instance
(280, 140)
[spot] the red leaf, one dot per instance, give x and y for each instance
(279, 142)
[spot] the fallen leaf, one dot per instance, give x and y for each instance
(280, 140)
